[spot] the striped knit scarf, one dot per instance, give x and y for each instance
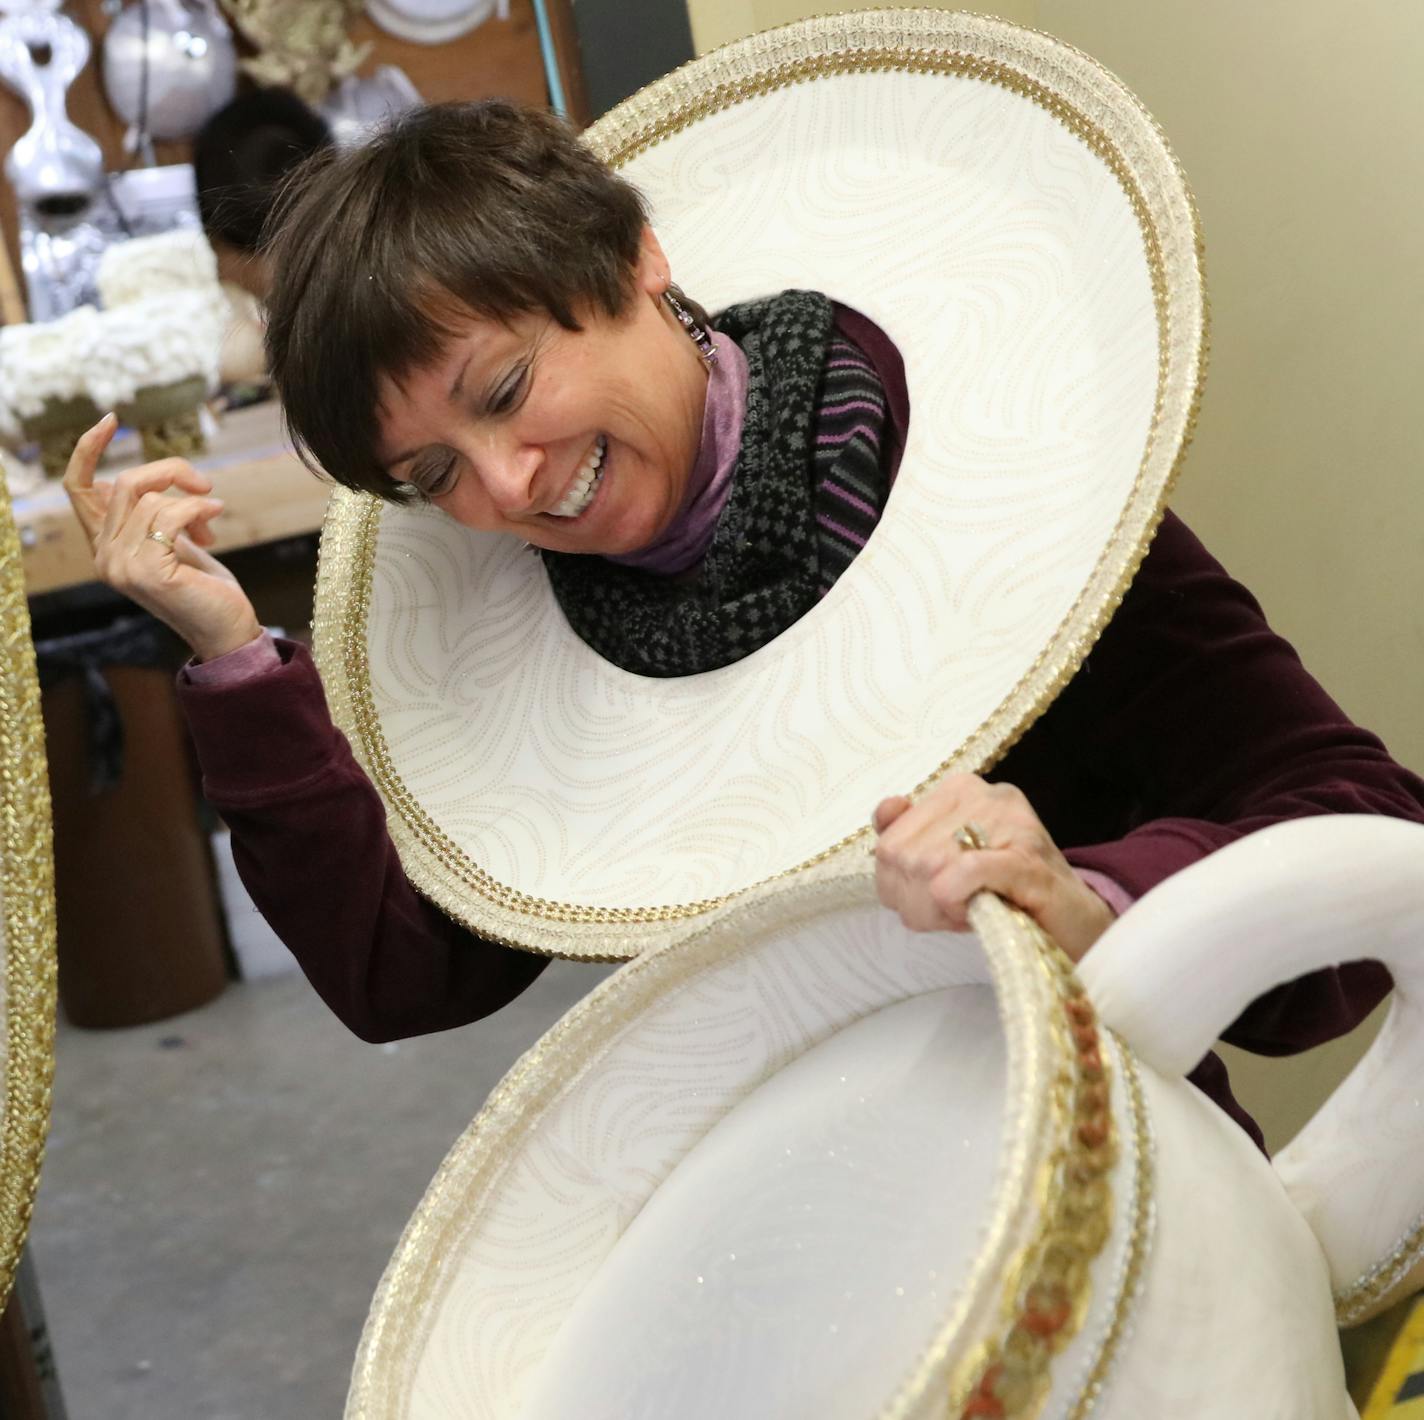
(807, 491)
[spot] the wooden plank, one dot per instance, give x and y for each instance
(269, 494)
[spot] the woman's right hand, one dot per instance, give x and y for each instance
(175, 579)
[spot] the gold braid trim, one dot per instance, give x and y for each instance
(27, 923)
(1138, 1240)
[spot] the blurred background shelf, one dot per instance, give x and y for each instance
(269, 494)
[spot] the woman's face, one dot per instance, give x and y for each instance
(578, 441)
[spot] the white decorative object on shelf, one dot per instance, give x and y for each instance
(356, 106)
(44, 363)
(159, 340)
(55, 166)
(434, 21)
(180, 260)
(164, 322)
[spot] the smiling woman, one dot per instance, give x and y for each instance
(736, 639)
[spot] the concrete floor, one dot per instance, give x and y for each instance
(223, 1190)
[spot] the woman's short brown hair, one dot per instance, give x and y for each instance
(485, 208)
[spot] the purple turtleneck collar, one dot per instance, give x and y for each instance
(685, 540)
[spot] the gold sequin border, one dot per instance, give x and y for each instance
(1049, 1290)
(27, 904)
(448, 875)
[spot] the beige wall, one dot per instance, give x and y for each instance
(1301, 126)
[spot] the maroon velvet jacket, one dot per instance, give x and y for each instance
(1189, 725)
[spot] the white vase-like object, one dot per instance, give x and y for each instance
(809, 1162)
(54, 167)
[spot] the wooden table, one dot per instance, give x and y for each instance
(268, 492)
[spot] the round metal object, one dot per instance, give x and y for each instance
(192, 65)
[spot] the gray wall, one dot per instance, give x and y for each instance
(628, 43)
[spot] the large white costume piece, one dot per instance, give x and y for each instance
(809, 1163)
(794, 1159)
(1012, 218)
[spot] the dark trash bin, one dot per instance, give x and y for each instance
(140, 929)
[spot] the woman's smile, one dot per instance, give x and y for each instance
(584, 487)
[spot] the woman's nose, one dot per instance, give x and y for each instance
(509, 472)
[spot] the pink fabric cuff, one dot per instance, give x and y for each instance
(246, 663)
(1116, 896)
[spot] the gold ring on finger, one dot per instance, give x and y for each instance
(971, 837)
(158, 535)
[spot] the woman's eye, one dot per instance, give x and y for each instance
(510, 391)
(435, 478)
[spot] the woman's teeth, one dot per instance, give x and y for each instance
(580, 493)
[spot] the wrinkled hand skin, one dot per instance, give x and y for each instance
(180, 583)
(929, 879)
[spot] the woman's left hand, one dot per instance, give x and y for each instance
(928, 876)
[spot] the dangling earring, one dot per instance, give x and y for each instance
(699, 334)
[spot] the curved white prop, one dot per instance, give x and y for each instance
(1173, 972)
(808, 1162)
(1011, 218)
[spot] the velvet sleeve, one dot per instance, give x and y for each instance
(1216, 730)
(310, 842)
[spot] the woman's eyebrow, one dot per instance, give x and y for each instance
(455, 393)
(456, 389)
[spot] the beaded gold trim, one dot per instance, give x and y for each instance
(916, 41)
(1139, 1238)
(27, 923)
(1361, 1298)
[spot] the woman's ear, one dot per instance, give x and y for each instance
(653, 274)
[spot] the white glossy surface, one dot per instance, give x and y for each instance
(517, 1251)
(798, 1258)
(1234, 1320)
(1182, 963)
